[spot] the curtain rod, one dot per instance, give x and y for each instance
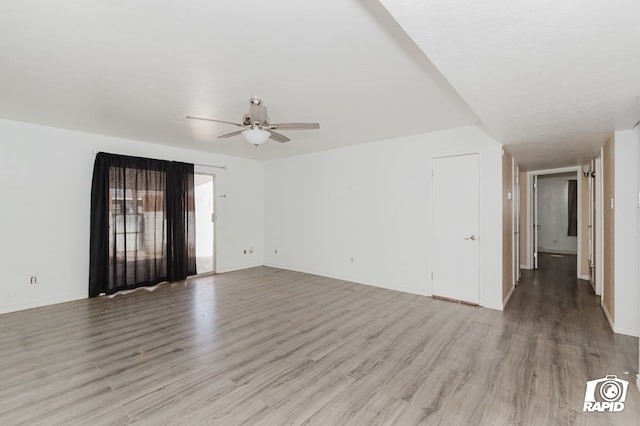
(95, 152)
(209, 165)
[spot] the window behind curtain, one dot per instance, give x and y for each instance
(142, 223)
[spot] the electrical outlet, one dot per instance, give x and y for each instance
(276, 251)
(33, 280)
(244, 251)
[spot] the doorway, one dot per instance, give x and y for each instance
(455, 250)
(556, 223)
(205, 223)
(557, 204)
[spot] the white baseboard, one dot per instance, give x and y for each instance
(419, 292)
(583, 277)
(626, 331)
(606, 314)
(42, 304)
(526, 267)
(357, 280)
(492, 306)
(554, 251)
(506, 299)
(222, 270)
(619, 330)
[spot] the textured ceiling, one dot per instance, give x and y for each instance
(135, 69)
(550, 79)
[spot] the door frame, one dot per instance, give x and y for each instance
(515, 223)
(599, 224)
(532, 211)
(204, 170)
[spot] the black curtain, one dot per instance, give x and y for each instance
(142, 223)
(572, 208)
(181, 244)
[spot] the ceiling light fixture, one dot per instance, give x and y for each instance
(586, 169)
(256, 136)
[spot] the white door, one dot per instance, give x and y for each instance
(455, 249)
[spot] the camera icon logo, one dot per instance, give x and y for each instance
(605, 394)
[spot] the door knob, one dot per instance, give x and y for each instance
(472, 238)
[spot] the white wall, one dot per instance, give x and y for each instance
(552, 215)
(370, 202)
(638, 277)
(45, 184)
(626, 232)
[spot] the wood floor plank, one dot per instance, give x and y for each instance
(270, 347)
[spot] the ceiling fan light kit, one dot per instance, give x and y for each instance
(257, 128)
(256, 136)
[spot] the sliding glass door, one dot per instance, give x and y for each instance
(205, 223)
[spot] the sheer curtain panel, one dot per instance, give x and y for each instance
(142, 223)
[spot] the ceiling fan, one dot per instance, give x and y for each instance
(256, 127)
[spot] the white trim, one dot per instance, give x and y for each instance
(606, 314)
(42, 304)
(554, 251)
(529, 243)
(619, 330)
(577, 169)
(626, 331)
(599, 223)
(530, 207)
(492, 306)
(206, 170)
(419, 292)
(584, 277)
(524, 266)
(506, 299)
(238, 268)
(580, 220)
(515, 221)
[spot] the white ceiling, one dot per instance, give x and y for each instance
(135, 69)
(551, 79)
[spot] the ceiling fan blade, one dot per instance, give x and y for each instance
(278, 137)
(228, 135)
(295, 126)
(215, 121)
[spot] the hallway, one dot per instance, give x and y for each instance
(566, 329)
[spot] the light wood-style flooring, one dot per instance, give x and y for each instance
(270, 347)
